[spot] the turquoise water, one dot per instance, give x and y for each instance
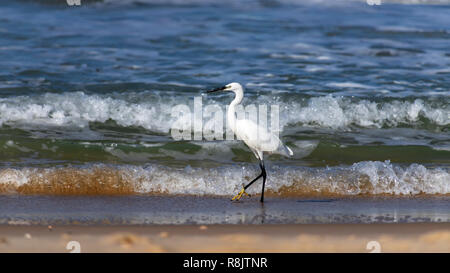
(86, 95)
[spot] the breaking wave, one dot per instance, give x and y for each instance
(152, 111)
(362, 178)
(340, 112)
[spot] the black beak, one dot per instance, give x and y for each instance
(217, 89)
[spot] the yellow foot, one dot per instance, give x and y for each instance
(239, 195)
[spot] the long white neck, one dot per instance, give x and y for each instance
(231, 114)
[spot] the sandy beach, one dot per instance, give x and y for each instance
(420, 237)
(211, 224)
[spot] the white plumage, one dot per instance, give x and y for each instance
(259, 139)
(256, 137)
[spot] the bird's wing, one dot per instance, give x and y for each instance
(259, 138)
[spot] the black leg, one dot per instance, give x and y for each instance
(261, 174)
(264, 180)
(249, 184)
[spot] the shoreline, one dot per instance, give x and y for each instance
(188, 210)
(411, 237)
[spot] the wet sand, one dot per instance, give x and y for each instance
(206, 210)
(417, 237)
(214, 224)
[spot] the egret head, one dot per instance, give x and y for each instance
(234, 87)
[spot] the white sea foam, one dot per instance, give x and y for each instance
(349, 85)
(78, 109)
(339, 112)
(152, 111)
(366, 177)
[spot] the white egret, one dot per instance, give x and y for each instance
(256, 137)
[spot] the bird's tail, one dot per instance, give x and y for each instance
(285, 150)
(289, 151)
